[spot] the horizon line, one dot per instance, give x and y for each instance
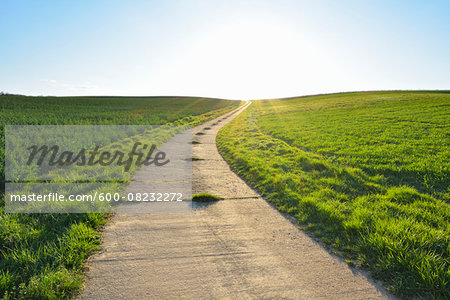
(219, 98)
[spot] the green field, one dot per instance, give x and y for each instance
(42, 255)
(366, 173)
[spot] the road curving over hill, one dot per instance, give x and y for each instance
(236, 248)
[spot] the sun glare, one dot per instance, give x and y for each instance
(251, 59)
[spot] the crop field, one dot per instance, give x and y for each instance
(366, 173)
(42, 255)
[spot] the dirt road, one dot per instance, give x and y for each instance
(237, 248)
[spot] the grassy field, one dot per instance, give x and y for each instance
(366, 173)
(42, 255)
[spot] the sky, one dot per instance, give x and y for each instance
(225, 49)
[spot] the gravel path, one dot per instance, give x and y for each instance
(237, 248)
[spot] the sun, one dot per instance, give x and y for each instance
(249, 59)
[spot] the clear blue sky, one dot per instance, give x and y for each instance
(230, 49)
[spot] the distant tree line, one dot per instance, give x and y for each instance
(7, 94)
